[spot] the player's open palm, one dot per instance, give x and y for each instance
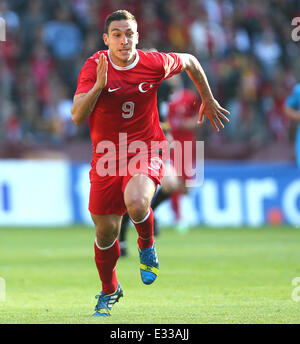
(214, 112)
(102, 67)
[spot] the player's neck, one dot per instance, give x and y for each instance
(122, 63)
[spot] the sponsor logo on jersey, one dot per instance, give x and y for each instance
(113, 89)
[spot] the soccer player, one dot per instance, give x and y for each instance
(116, 91)
(292, 110)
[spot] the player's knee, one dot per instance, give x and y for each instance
(170, 184)
(106, 233)
(137, 208)
(105, 239)
(170, 181)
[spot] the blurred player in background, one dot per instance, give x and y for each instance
(182, 116)
(292, 110)
(117, 91)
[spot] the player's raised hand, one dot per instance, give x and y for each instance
(214, 112)
(102, 67)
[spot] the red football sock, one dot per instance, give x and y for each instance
(106, 260)
(145, 230)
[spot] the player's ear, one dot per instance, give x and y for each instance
(105, 38)
(137, 38)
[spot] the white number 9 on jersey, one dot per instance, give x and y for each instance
(128, 109)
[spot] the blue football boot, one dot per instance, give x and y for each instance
(149, 267)
(106, 301)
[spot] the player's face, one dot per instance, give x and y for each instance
(121, 39)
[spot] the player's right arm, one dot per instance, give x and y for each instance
(84, 103)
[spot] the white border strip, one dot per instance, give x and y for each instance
(144, 219)
(132, 65)
(105, 248)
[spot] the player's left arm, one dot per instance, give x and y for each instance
(210, 106)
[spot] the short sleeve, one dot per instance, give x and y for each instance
(168, 64)
(87, 77)
(172, 64)
(293, 100)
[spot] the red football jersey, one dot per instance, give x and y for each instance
(184, 104)
(128, 103)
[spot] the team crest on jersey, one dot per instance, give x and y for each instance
(145, 87)
(155, 163)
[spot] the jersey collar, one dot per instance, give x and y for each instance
(132, 65)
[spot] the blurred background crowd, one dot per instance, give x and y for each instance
(245, 48)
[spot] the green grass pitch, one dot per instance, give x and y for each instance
(229, 275)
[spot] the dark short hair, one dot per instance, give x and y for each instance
(118, 15)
